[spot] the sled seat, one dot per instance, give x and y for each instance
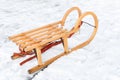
(38, 37)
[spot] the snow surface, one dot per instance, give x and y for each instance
(100, 60)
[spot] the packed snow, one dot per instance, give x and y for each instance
(100, 60)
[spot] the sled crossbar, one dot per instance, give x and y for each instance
(39, 40)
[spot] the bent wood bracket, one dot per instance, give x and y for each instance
(39, 40)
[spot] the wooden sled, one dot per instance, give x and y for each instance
(39, 40)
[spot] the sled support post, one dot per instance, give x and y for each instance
(65, 42)
(39, 56)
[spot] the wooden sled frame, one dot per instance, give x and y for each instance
(64, 35)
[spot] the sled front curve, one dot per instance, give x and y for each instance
(93, 33)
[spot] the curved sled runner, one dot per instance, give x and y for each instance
(36, 41)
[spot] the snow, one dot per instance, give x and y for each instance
(97, 61)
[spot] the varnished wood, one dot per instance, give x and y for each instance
(33, 34)
(37, 38)
(68, 12)
(39, 56)
(44, 42)
(65, 42)
(30, 31)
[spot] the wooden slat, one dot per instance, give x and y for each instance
(32, 34)
(44, 42)
(38, 39)
(33, 37)
(57, 36)
(51, 34)
(27, 38)
(42, 34)
(30, 31)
